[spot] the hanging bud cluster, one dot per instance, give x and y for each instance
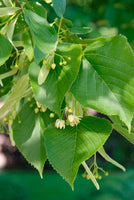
(40, 108)
(70, 119)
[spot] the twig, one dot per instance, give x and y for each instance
(17, 3)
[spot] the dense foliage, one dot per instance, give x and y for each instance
(50, 73)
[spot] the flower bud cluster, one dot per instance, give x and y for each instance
(40, 108)
(73, 120)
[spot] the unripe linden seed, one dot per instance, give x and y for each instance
(52, 115)
(44, 61)
(83, 175)
(64, 62)
(4, 119)
(88, 177)
(19, 121)
(36, 110)
(38, 104)
(70, 110)
(43, 109)
(106, 174)
(10, 121)
(99, 177)
(53, 66)
(16, 66)
(29, 99)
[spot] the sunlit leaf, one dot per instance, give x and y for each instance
(58, 82)
(106, 78)
(69, 147)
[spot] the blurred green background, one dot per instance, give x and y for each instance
(20, 181)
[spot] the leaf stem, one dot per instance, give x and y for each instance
(91, 175)
(8, 74)
(18, 3)
(60, 25)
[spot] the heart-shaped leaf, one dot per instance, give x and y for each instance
(69, 147)
(106, 78)
(28, 136)
(58, 82)
(59, 7)
(44, 36)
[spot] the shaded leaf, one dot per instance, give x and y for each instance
(15, 95)
(121, 128)
(80, 30)
(28, 137)
(45, 36)
(39, 9)
(27, 42)
(4, 52)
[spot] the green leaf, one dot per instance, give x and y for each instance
(69, 147)
(7, 3)
(27, 42)
(80, 30)
(4, 52)
(10, 29)
(16, 94)
(106, 78)
(59, 7)
(8, 74)
(8, 11)
(121, 128)
(58, 82)
(38, 9)
(28, 137)
(44, 36)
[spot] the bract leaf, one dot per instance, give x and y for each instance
(80, 30)
(44, 71)
(121, 128)
(69, 147)
(8, 11)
